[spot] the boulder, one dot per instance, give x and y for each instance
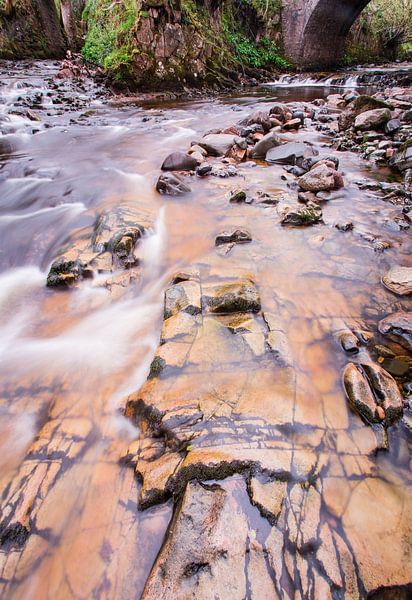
(64, 273)
(279, 111)
(372, 119)
(320, 178)
(398, 327)
(270, 140)
(204, 169)
(356, 107)
(179, 161)
(238, 296)
(171, 185)
(291, 153)
(292, 124)
(312, 161)
(359, 393)
(372, 392)
(258, 118)
(399, 280)
(392, 126)
(217, 144)
(386, 390)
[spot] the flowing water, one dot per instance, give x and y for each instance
(69, 358)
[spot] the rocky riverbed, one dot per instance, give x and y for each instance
(207, 364)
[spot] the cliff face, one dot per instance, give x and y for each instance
(30, 28)
(163, 43)
(149, 43)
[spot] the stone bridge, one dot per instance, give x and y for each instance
(315, 31)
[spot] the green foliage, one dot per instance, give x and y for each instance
(109, 38)
(263, 54)
(383, 30)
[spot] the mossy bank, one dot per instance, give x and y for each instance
(151, 44)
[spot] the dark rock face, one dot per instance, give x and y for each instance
(171, 185)
(31, 30)
(179, 161)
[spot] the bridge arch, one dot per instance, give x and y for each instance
(315, 31)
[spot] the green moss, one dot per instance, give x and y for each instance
(257, 54)
(110, 32)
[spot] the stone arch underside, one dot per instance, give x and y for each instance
(315, 31)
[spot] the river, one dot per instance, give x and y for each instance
(69, 358)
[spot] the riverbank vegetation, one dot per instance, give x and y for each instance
(382, 32)
(183, 42)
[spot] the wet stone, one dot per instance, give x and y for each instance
(237, 236)
(198, 554)
(217, 144)
(349, 342)
(291, 153)
(64, 272)
(359, 393)
(398, 280)
(320, 178)
(396, 366)
(203, 169)
(302, 216)
(398, 327)
(386, 390)
(270, 140)
(268, 496)
(238, 196)
(238, 296)
(372, 119)
(171, 185)
(179, 161)
(344, 226)
(182, 297)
